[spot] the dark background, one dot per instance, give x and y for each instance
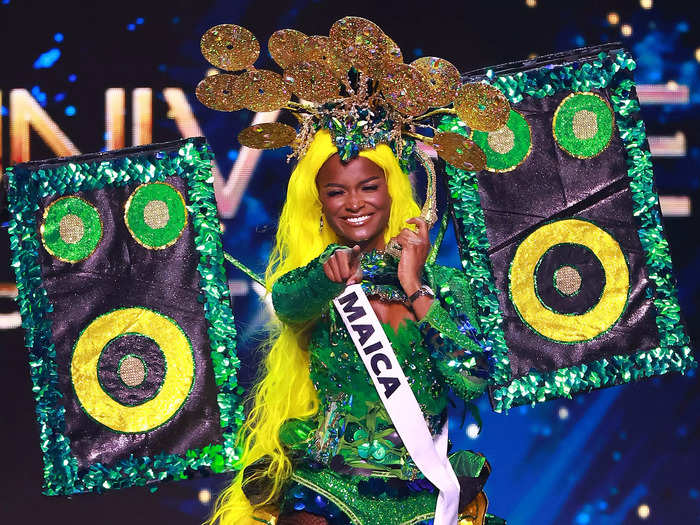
(596, 459)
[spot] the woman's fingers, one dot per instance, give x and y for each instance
(421, 225)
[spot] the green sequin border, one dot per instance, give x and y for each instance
(192, 161)
(673, 353)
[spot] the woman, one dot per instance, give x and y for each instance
(318, 442)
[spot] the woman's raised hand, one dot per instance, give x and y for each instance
(415, 247)
(344, 266)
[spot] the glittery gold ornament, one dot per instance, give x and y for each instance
(392, 50)
(286, 47)
(218, 92)
(362, 42)
(262, 90)
(313, 81)
(459, 151)
(71, 229)
(320, 49)
(230, 47)
(482, 106)
(404, 87)
(442, 77)
(269, 135)
(567, 280)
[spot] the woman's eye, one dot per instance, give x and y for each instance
(334, 193)
(370, 188)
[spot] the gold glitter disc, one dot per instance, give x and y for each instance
(156, 214)
(459, 151)
(132, 371)
(230, 47)
(392, 51)
(312, 81)
(286, 47)
(218, 92)
(443, 78)
(319, 48)
(567, 280)
(270, 135)
(71, 229)
(482, 107)
(262, 90)
(362, 42)
(405, 87)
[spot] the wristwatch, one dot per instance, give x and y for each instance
(423, 290)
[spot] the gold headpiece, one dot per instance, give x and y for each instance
(354, 83)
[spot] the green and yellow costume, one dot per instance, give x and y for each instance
(350, 454)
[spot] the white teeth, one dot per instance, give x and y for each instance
(357, 220)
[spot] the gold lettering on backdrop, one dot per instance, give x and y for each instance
(115, 110)
(142, 116)
(230, 191)
(25, 112)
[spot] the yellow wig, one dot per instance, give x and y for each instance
(285, 390)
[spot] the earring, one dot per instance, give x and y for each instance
(320, 225)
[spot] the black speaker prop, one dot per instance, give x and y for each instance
(562, 232)
(125, 305)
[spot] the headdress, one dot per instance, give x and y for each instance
(354, 83)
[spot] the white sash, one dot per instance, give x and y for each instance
(428, 453)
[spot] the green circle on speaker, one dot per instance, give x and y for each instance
(71, 229)
(155, 215)
(583, 125)
(508, 147)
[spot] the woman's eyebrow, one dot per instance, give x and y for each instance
(370, 179)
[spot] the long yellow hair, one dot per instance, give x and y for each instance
(285, 390)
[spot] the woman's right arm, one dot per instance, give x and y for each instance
(304, 293)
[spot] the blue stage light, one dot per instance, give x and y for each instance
(70, 111)
(58, 37)
(72, 77)
(48, 59)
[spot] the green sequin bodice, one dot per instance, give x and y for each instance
(352, 432)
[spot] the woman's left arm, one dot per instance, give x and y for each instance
(448, 321)
(451, 327)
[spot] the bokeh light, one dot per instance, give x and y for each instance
(204, 496)
(473, 431)
(646, 4)
(643, 511)
(531, 3)
(613, 18)
(626, 30)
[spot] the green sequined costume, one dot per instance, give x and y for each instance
(350, 454)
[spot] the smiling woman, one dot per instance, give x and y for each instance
(319, 445)
(355, 201)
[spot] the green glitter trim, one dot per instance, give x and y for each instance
(145, 235)
(190, 159)
(466, 208)
(51, 234)
(612, 70)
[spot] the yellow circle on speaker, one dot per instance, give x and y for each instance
(569, 328)
(179, 371)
